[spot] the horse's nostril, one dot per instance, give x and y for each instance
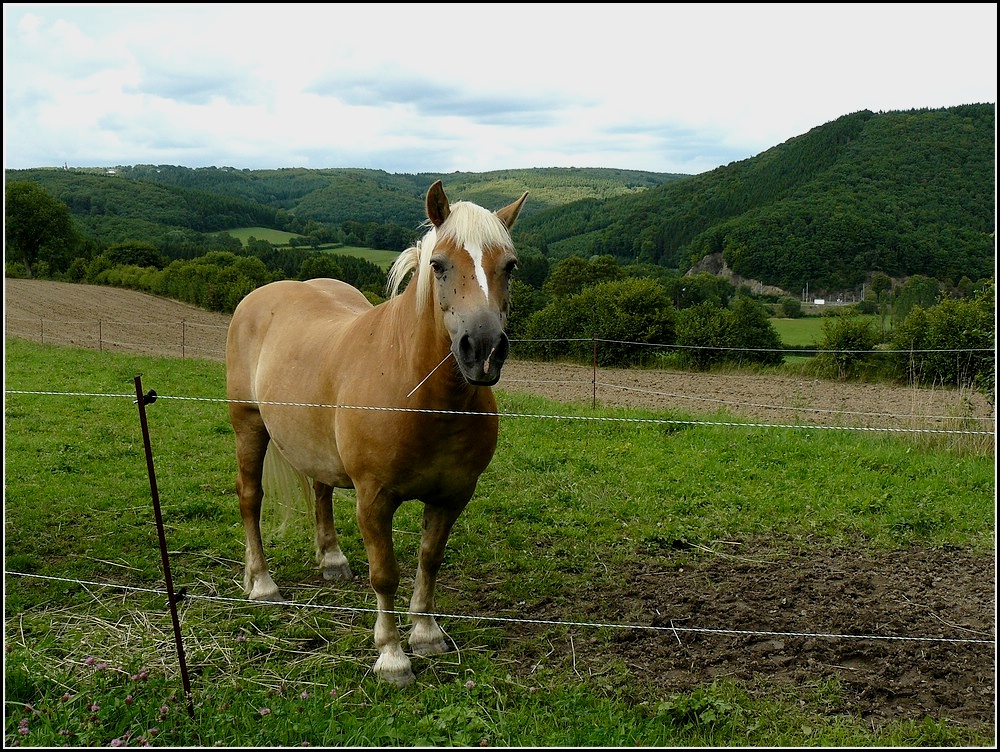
(465, 347)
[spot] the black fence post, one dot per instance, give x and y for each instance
(141, 400)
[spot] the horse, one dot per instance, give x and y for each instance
(347, 394)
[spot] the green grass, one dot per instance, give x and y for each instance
(563, 502)
(279, 238)
(383, 259)
(274, 237)
(808, 330)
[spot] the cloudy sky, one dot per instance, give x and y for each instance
(429, 87)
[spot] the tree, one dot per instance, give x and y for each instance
(702, 335)
(881, 284)
(791, 308)
(627, 315)
(321, 265)
(952, 343)
(135, 253)
(846, 346)
(690, 290)
(918, 290)
(753, 337)
(741, 333)
(573, 273)
(38, 228)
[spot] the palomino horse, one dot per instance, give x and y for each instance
(360, 396)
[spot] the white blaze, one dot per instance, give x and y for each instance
(476, 252)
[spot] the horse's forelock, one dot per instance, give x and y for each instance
(468, 225)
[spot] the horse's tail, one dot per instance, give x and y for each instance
(288, 488)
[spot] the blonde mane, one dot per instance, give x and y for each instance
(467, 224)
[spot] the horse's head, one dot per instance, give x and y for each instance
(464, 264)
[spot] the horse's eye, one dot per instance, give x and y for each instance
(510, 266)
(437, 266)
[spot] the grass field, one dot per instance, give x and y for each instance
(279, 238)
(89, 655)
(808, 330)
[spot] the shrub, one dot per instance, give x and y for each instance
(702, 332)
(791, 308)
(626, 315)
(846, 346)
(751, 334)
(741, 333)
(952, 343)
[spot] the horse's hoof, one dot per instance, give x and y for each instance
(395, 672)
(427, 638)
(276, 598)
(266, 595)
(398, 680)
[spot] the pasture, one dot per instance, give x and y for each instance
(281, 238)
(808, 330)
(589, 549)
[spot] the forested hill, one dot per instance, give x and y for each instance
(155, 203)
(903, 193)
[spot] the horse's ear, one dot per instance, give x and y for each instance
(438, 207)
(509, 213)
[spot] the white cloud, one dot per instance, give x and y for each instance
(444, 87)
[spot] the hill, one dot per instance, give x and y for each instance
(902, 193)
(154, 202)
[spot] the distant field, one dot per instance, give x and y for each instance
(805, 331)
(274, 237)
(383, 259)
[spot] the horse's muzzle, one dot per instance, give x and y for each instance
(480, 356)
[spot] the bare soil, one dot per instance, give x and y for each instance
(806, 598)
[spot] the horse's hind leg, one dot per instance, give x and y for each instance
(251, 446)
(330, 558)
(426, 637)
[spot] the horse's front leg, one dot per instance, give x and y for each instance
(332, 562)
(426, 637)
(375, 512)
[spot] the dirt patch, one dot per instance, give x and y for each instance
(767, 616)
(793, 605)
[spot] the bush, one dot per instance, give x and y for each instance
(741, 333)
(16, 270)
(625, 315)
(847, 346)
(791, 308)
(525, 300)
(702, 332)
(952, 343)
(751, 334)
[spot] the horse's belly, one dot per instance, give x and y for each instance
(307, 443)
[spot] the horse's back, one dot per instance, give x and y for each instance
(278, 319)
(303, 299)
